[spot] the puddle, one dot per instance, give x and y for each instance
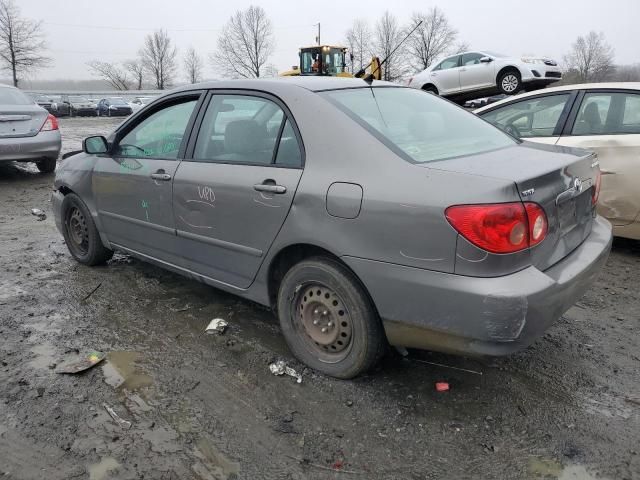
(98, 471)
(45, 356)
(214, 464)
(545, 468)
(120, 371)
(47, 324)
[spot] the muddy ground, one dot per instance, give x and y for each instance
(207, 407)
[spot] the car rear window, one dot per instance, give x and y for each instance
(417, 125)
(13, 96)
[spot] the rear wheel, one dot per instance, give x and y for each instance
(80, 233)
(328, 319)
(46, 165)
(509, 82)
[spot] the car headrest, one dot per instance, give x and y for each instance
(244, 136)
(592, 114)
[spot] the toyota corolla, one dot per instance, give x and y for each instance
(363, 214)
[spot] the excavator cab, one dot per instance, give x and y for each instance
(323, 60)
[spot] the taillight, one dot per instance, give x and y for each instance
(596, 188)
(500, 227)
(51, 123)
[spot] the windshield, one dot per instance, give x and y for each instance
(117, 101)
(13, 96)
(417, 125)
(322, 60)
(78, 100)
(497, 55)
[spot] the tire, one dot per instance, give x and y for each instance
(430, 89)
(509, 82)
(80, 233)
(338, 332)
(46, 165)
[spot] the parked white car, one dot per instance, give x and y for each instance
(138, 102)
(603, 117)
(483, 73)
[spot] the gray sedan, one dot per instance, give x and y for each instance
(363, 214)
(28, 133)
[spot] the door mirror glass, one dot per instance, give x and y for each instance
(94, 145)
(486, 60)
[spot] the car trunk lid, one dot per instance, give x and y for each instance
(21, 120)
(559, 179)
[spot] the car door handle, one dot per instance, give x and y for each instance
(165, 177)
(270, 187)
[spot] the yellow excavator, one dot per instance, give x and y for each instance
(330, 61)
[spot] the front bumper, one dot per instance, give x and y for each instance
(539, 73)
(29, 149)
(56, 206)
(480, 316)
(85, 112)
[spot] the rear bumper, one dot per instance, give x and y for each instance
(480, 316)
(42, 145)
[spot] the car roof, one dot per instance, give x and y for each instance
(565, 88)
(312, 83)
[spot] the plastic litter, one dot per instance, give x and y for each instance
(216, 326)
(81, 364)
(442, 386)
(39, 213)
(281, 368)
(117, 418)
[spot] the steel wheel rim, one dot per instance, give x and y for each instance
(509, 83)
(322, 320)
(78, 230)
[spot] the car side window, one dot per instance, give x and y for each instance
(592, 115)
(535, 117)
(246, 129)
(471, 59)
(449, 63)
(631, 115)
(158, 135)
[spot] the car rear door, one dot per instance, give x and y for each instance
(538, 118)
(475, 74)
(446, 76)
(608, 122)
(133, 183)
(234, 190)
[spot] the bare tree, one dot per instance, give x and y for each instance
(112, 73)
(245, 44)
(135, 68)
(387, 37)
(591, 58)
(21, 42)
(159, 58)
(434, 38)
(358, 39)
(193, 65)
(270, 71)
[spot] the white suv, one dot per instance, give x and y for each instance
(476, 74)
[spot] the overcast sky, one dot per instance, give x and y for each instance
(82, 30)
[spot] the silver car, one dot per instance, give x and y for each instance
(363, 214)
(28, 133)
(474, 74)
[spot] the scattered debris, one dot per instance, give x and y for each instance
(304, 461)
(442, 386)
(522, 410)
(38, 213)
(448, 366)
(280, 368)
(81, 364)
(635, 400)
(349, 403)
(92, 292)
(402, 351)
(216, 326)
(119, 420)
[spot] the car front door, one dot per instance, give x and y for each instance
(537, 119)
(608, 122)
(234, 193)
(132, 184)
(446, 76)
(474, 74)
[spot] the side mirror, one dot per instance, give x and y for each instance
(94, 145)
(486, 60)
